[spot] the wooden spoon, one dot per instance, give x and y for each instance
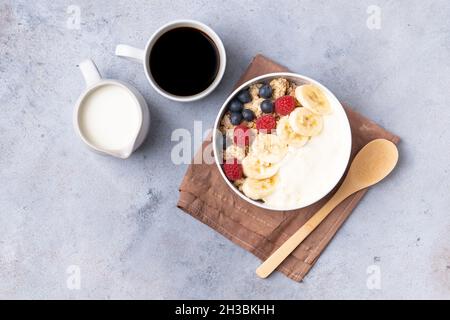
(372, 164)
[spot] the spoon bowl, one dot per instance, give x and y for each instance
(371, 165)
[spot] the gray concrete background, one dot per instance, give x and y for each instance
(61, 205)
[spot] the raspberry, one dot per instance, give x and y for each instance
(266, 123)
(241, 135)
(233, 170)
(284, 105)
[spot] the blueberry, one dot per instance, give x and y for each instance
(244, 96)
(235, 106)
(267, 106)
(236, 118)
(248, 115)
(265, 91)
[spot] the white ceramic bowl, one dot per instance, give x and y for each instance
(339, 166)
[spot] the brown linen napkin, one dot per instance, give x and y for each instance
(205, 196)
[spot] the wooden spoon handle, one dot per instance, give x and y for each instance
(268, 266)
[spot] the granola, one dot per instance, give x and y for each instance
(279, 87)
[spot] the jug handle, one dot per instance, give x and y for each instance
(90, 72)
(129, 52)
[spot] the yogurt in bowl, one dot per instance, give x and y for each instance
(290, 146)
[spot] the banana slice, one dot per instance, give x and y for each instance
(255, 168)
(259, 189)
(305, 123)
(313, 98)
(285, 132)
(269, 148)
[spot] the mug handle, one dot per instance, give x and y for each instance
(90, 72)
(129, 52)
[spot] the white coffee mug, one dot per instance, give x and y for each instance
(144, 55)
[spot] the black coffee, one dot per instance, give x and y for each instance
(184, 61)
